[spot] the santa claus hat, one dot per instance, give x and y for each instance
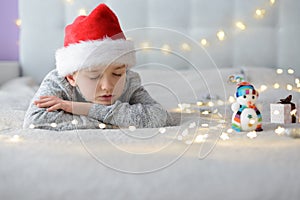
(245, 88)
(94, 40)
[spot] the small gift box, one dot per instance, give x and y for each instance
(283, 112)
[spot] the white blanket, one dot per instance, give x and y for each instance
(166, 163)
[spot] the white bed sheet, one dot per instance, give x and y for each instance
(146, 163)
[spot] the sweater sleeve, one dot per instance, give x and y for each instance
(36, 117)
(141, 111)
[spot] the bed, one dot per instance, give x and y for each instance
(201, 157)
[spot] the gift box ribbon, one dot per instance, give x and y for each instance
(293, 106)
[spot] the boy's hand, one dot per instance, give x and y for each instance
(53, 103)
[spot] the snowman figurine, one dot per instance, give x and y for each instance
(246, 117)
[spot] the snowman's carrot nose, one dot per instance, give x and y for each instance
(249, 104)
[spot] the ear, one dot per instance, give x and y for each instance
(71, 79)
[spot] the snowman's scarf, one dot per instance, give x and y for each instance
(236, 124)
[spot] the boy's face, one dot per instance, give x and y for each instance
(101, 85)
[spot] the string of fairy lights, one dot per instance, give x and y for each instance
(221, 35)
(205, 109)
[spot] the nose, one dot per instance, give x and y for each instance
(105, 83)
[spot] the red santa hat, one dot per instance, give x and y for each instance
(94, 40)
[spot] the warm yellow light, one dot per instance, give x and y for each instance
(185, 132)
(297, 80)
(259, 13)
(200, 103)
(240, 25)
(293, 112)
(31, 126)
(192, 125)
(204, 42)
(201, 138)
(230, 130)
(221, 35)
(220, 102)
(145, 45)
(162, 130)
(252, 134)
(15, 138)
(224, 136)
(279, 71)
(70, 1)
(132, 128)
(272, 2)
(205, 125)
(82, 11)
(298, 85)
(279, 130)
(289, 87)
(184, 106)
(166, 49)
(263, 88)
(185, 47)
(102, 126)
(53, 125)
(18, 22)
(290, 71)
(276, 85)
(231, 99)
(210, 104)
(205, 112)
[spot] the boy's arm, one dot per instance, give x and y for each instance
(39, 117)
(142, 112)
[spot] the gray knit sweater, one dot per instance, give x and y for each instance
(135, 107)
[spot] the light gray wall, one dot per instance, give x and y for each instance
(269, 42)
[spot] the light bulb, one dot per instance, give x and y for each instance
(240, 25)
(276, 85)
(290, 71)
(69, 1)
(82, 11)
(53, 125)
(252, 134)
(289, 87)
(204, 42)
(259, 13)
(201, 138)
(279, 130)
(18, 22)
(221, 35)
(185, 47)
(102, 126)
(279, 71)
(263, 88)
(205, 125)
(231, 99)
(224, 136)
(166, 49)
(145, 45)
(200, 103)
(272, 2)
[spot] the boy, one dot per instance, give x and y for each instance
(92, 85)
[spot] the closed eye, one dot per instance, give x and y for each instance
(94, 78)
(116, 74)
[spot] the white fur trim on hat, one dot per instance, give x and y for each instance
(94, 53)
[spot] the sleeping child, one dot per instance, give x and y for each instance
(92, 85)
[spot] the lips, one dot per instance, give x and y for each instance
(107, 97)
